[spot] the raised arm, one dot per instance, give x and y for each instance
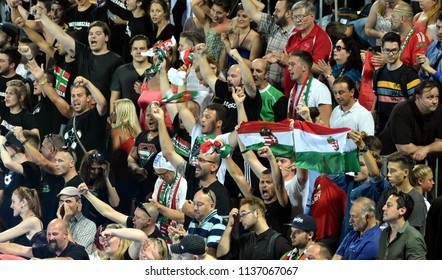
(205, 69)
(252, 160)
(137, 237)
(65, 40)
(8, 162)
(198, 11)
(35, 37)
(35, 155)
(224, 243)
(104, 209)
(278, 181)
(63, 107)
(252, 9)
(95, 92)
(166, 143)
(238, 177)
(246, 74)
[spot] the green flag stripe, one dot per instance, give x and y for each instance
(329, 163)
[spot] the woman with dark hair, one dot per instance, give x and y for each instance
(159, 16)
(95, 172)
(214, 24)
(346, 62)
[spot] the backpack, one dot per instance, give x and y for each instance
(402, 80)
(271, 247)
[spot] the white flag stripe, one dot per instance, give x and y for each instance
(308, 142)
(284, 138)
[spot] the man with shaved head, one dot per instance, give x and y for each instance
(59, 247)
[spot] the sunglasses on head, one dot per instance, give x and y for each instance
(141, 206)
(207, 192)
(68, 150)
(96, 157)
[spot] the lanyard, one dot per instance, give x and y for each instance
(406, 39)
(307, 83)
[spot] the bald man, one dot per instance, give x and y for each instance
(59, 247)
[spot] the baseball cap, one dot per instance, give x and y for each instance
(63, 3)
(304, 222)
(161, 162)
(70, 191)
(191, 244)
(9, 29)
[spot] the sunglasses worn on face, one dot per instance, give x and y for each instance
(339, 48)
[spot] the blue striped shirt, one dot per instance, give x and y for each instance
(211, 228)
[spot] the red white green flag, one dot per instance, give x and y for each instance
(326, 150)
(276, 135)
(61, 79)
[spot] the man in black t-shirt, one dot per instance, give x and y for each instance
(58, 248)
(9, 60)
(82, 15)
(95, 61)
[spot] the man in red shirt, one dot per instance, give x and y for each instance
(307, 36)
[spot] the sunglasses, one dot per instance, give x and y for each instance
(141, 206)
(96, 157)
(339, 48)
(49, 138)
(69, 150)
(161, 174)
(207, 192)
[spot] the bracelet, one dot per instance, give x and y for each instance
(24, 142)
(328, 76)
(42, 82)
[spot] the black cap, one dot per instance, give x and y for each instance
(304, 222)
(191, 244)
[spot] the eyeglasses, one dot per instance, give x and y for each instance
(49, 138)
(201, 160)
(96, 157)
(300, 17)
(161, 175)
(244, 214)
(141, 206)
(7, 144)
(391, 52)
(69, 150)
(207, 191)
(339, 48)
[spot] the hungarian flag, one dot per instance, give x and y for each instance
(277, 136)
(184, 96)
(326, 150)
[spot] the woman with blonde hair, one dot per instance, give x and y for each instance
(120, 243)
(425, 21)
(378, 20)
(26, 204)
(125, 129)
(421, 178)
(154, 249)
